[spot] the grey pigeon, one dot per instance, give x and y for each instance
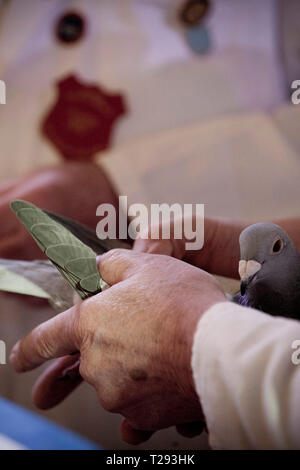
(269, 269)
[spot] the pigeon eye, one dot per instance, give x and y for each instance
(277, 246)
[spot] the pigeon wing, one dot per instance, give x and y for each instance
(38, 278)
(87, 236)
(73, 259)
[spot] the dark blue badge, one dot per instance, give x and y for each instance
(198, 38)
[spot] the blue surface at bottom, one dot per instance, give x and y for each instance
(37, 433)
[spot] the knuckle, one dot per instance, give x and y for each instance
(112, 396)
(110, 260)
(115, 264)
(113, 255)
(109, 401)
(86, 371)
(42, 346)
(78, 324)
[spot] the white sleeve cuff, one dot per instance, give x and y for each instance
(247, 383)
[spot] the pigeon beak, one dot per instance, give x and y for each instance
(243, 287)
(247, 270)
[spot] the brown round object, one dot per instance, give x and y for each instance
(70, 27)
(194, 11)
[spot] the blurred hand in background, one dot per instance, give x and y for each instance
(220, 252)
(72, 189)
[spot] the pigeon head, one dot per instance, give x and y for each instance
(268, 254)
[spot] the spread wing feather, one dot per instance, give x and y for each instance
(38, 278)
(75, 260)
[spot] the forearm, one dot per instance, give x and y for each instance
(221, 253)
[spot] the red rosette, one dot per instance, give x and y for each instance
(80, 123)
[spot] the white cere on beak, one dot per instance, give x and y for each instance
(248, 268)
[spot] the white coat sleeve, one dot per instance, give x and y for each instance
(247, 376)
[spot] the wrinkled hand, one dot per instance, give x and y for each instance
(219, 255)
(72, 189)
(135, 341)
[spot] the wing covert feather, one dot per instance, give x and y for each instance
(75, 260)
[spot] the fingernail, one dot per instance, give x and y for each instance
(71, 372)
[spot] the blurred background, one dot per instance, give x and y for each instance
(177, 101)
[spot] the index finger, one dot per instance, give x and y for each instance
(55, 338)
